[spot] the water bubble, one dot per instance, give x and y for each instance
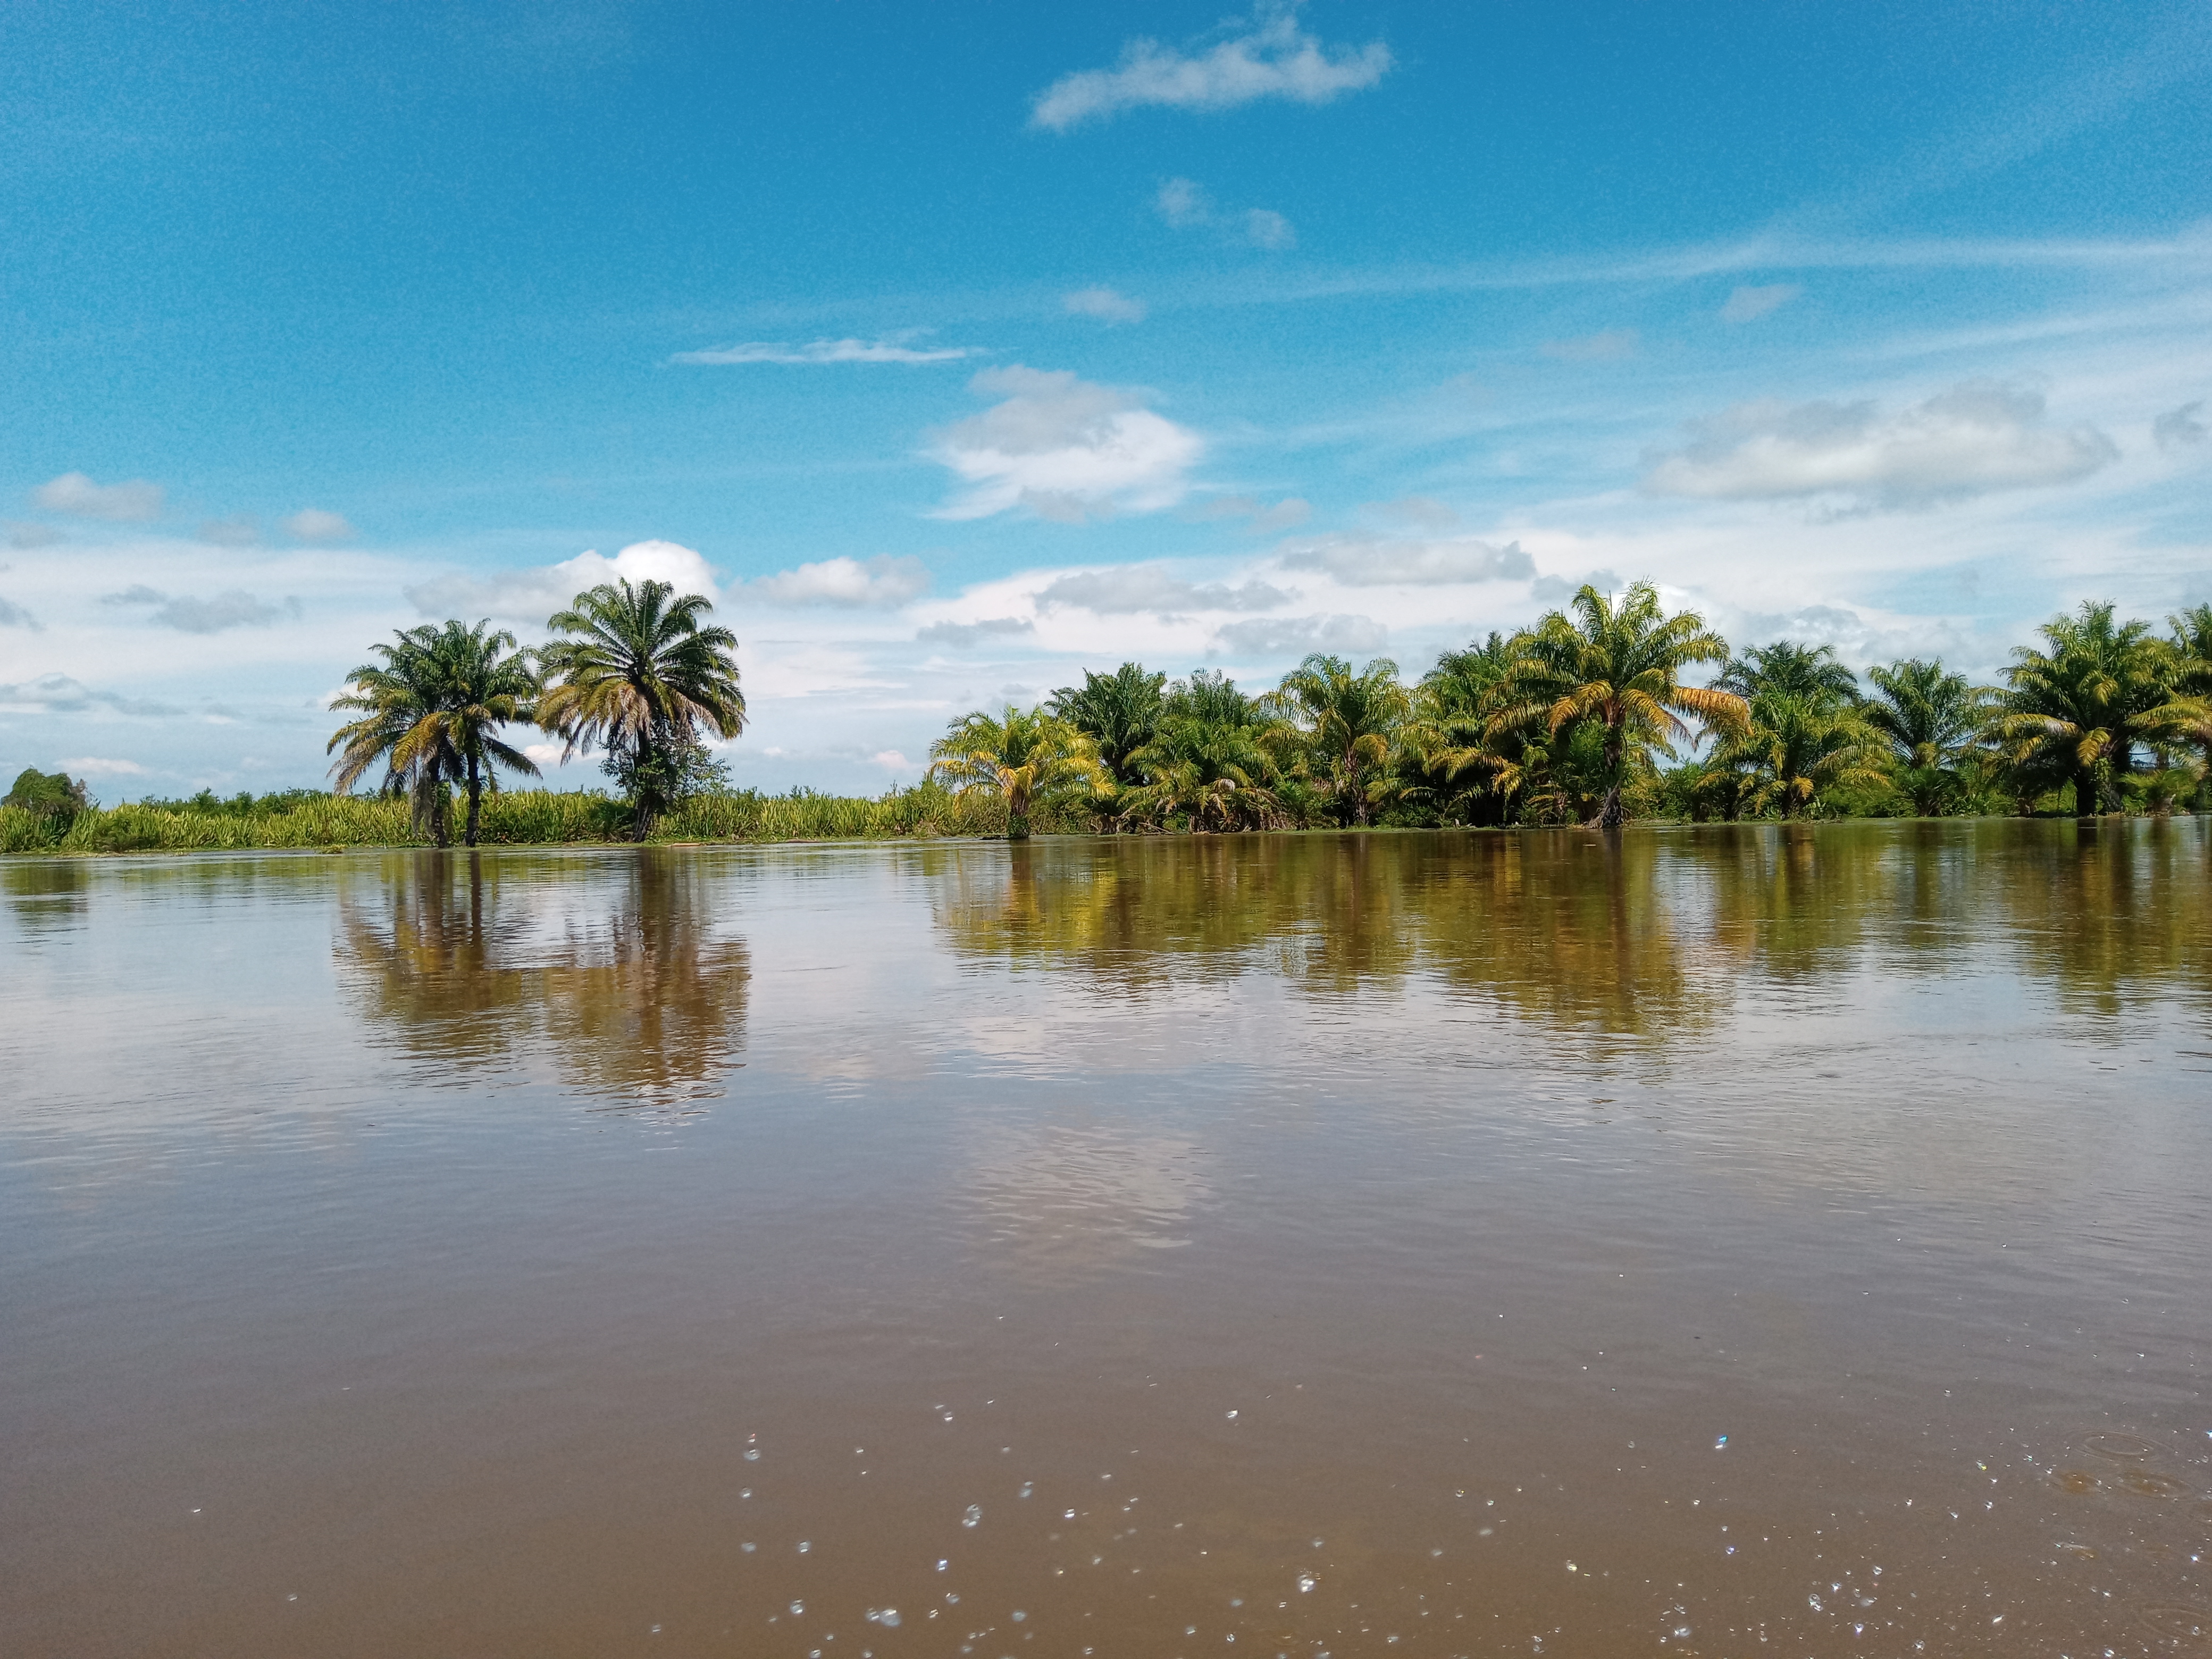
(744, 1492)
(1070, 1516)
(798, 1608)
(952, 1599)
(748, 1548)
(1027, 1488)
(1307, 1581)
(1019, 1615)
(1232, 1417)
(753, 1455)
(973, 1516)
(804, 1547)
(1721, 1444)
(941, 1565)
(887, 1617)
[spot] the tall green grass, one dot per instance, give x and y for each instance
(532, 818)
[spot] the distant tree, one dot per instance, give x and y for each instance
(1212, 773)
(1211, 696)
(1342, 725)
(47, 794)
(1028, 758)
(1794, 670)
(633, 670)
(1616, 666)
(1931, 720)
(1463, 752)
(1793, 746)
(1119, 712)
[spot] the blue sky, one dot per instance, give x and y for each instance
(954, 349)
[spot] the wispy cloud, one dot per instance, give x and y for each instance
(33, 535)
(879, 583)
(314, 523)
(1980, 437)
(1748, 303)
(58, 693)
(1294, 636)
(93, 766)
(828, 351)
(1268, 57)
(2180, 429)
(1364, 560)
(1065, 449)
(1612, 346)
(133, 500)
(968, 635)
(1105, 304)
(188, 614)
(1128, 589)
(241, 529)
(1184, 203)
(14, 616)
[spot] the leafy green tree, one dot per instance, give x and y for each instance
(1795, 746)
(634, 671)
(1213, 773)
(1932, 721)
(1342, 726)
(1616, 666)
(1786, 666)
(1028, 758)
(2078, 711)
(54, 795)
(1119, 712)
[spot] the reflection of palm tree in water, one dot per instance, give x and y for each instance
(457, 963)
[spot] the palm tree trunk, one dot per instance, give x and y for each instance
(476, 800)
(1611, 813)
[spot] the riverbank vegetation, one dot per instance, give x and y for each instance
(1588, 717)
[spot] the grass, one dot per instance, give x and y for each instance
(517, 817)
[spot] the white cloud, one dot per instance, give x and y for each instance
(33, 535)
(235, 608)
(1611, 346)
(1294, 636)
(545, 754)
(1265, 228)
(1748, 304)
(241, 529)
(1105, 304)
(1184, 201)
(2178, 429)
(965, 635)
(14, 616)
(1558, 590)
(1125, 590)
(1362, 561)
(312, 524)
(58, 693)
(133, 501)
(92, 766)
(1273, 58)
(891, 760)
(532, 595)
(883, 581)
(828, 351)
(1065, 449)
(1980, 437)
(1285, 514)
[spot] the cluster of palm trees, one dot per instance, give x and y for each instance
(631, 669)
(1577, 719)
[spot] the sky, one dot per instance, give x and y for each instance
(952, 350)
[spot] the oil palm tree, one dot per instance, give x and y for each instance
(1453, 743)
(633, 670)
(1344, 723)
(1214, 773)
(1028, 758)
(1802, 671)
(1617, 666)
(399, 700)
(1119, 712)
(1793, 746)
(2077, 711)
(1930, 721)
(485, 683)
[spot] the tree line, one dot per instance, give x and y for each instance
(1586, 718)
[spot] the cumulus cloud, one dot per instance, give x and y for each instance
(242, 529)
(187, 615)
(1269, 56)
(1362, 561)
(1183, 202)
(967, 634)
(1611, 346)
(93, 766)
(1128, 589)
(2180, 428)
(531, 595)
(1105, 304)
(312, 524)
(1294, 636)
(33, 535)
(1064, 449)
(58, 693)
(1558, 590)
(1980, 437)
(14, 616)
(879, 582)
(828, 351)
(133, 500)
(1749, 304)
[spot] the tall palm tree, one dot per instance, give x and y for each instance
(2192, 643)
(2078, 711)
(1800, 670)
(485, 683)
(1617, 666)
(399, 699)
(1028, 758)
(1793, 746)
(1454, 742)
(634, 671)
(1119, 712)
(1345, 723)
(1212, 772)
(1930, 721)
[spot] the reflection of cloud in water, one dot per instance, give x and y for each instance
(612, 979)
(1058, 1202)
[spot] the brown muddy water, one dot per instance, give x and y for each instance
(1726, 1242)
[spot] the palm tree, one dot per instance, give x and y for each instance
(1453, 742)
(1787, 666)
(1344, 722)
(1931, 719)
(485, 683)
(2077, 712)
(1119, 712)
(399, 699)
(638, 675)
(1797, 745)
(1028, 758)
(2192, 642)
(1211, 771)
(1618, 666)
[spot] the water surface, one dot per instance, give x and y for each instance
(1778, 1240)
